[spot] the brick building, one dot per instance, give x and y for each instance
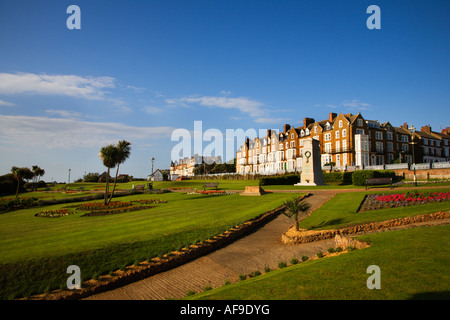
(345, 140)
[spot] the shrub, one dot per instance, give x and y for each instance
(254, 274)
(359, 177)
(242, 277)
(294, 260)
(304, 258)
(331, 250)
(282, 264)
(319, 254)
(338, 249)
(267, 269)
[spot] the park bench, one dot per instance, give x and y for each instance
(140, 187)
(378, 181)
(210, 185)
(80, 189)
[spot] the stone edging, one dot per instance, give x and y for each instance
(311, 236)
(149, 268)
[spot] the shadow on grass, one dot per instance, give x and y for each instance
(328, 223)
(439, 295)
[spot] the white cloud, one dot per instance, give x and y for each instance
(92, 88)
(6, 104)
(72, 133)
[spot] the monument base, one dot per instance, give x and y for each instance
(253, 191)
(309, 184)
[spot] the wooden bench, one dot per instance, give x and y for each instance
(210, 185)
(378, 181)
(140, 187)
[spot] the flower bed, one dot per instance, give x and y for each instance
(210, 192)
(383, 201)
(54, 213)
(99, 208)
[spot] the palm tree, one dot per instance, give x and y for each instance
(123, 152)
(19, 174)
(108, 155)
(294, 207)
(38, 172)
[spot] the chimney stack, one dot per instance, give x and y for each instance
(331, 116)
(426, 129)
(307, 122)
(286, 128)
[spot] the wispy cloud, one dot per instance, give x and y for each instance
(63, 113)
(92, 88)
(257, 110)
(355, 104)
(69, 133)
(153, 110)
(6, 104)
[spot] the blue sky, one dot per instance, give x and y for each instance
(137, 70)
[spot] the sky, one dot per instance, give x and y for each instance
(142, 71)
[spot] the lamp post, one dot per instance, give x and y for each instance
(153, 160)
(69, 180)
(412, 143)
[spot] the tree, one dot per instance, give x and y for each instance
(122, 153)
(108, 155)
(20, 174)
(38, 172)
(295, 207)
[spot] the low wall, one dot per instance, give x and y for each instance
(443, 173)
(311, 236)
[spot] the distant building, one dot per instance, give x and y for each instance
(156, 176)
(185, 167)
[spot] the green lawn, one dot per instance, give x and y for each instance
(34, 252)
(413, 265)
(341, 210)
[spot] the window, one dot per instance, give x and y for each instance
(340, 123)
(389, 147)
(344, 145)
(293, 144)
(359, 131)
(315, 129)
(344, 132)
(302, 143)
(337, 135)
(327, 136)
(328, 147)
(359, 122)
(338, 146)
(292, 136)
(389, 135)
(379, 135)
(404, 138)
(379, 146)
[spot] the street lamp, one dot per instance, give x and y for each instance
(412, 131)
(69, 180)
(153, 159)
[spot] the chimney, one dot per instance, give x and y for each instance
(331, 116)
(286, 128)
(426, 129)
(405, 126)
(446, 131)
(307, 122)
(269, 133)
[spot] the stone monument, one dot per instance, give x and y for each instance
(311, 167)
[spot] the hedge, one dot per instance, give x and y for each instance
(337, 177)
(359, 177)
(277, 180)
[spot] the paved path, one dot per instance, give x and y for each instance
(253, 252)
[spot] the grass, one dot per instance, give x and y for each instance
(341, 211)
(413, 265)
(35, 252)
